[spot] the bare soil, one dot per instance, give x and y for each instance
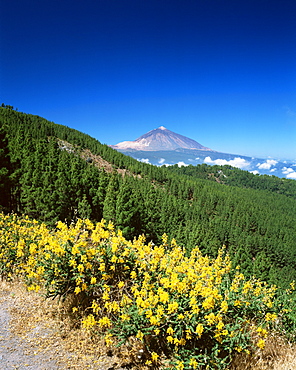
(36, 335)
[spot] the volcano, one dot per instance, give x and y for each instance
(160, 139)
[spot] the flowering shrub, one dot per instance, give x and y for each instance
(189, 311)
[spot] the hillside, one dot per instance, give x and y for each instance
(51, 172)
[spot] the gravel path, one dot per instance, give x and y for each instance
(16, 353)
(30, 339)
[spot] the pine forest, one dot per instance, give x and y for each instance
(185, 223)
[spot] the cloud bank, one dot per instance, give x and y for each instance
(236, 162)
(180, 164)
(289, 172)
(267, 165)
(144, 160)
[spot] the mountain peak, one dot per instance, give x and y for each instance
(160, 139)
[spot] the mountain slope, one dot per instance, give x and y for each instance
(57, 173)
(164, 147)
(160, 139)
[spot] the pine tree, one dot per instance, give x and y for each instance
(109, 209)
(5, 173)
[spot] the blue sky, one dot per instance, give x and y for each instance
(220, 72)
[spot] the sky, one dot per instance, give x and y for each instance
(220, 72)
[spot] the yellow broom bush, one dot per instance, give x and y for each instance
(189, 311)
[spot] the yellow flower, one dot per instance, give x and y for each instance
(95, 307)
(124, 317)
(270, 316)
(172, 307)
(182, 341)
(133, 275)
(120, 284)
(140, 335)
(224, 306)
(261, 343)
(80, 268)
(154, 356)
(154, 320)
(176, 341)
(199, 330)
(105, 296)
(88, 322)
(163, 296)
(83, 259)
(262, 332)
(220, 325)
(77, 290)
(208, 303)
(193, 363)
(93, 280)
(188, 334)
(108, 339)
(72, 263)
(47, 256)
(180, 365)
(170, 330)
(105, 321)
(210, 318)
(170, 339)
(114, 259)
(110, 226)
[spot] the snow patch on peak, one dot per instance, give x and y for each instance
(162, 128)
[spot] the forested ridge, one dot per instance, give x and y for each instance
(51, 172)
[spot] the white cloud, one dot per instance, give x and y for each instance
(180, 164)
(236, 162)
(161, 161)
(144, 160)
(287, 170)
(266, 165)
(255, 172)
(291, 175)
(273, 169)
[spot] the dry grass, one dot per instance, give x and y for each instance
(277, 355)
(49, 328)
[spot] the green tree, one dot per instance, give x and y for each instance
(5, 173)
(109, 209)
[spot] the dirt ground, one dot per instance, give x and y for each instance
(33, 338)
